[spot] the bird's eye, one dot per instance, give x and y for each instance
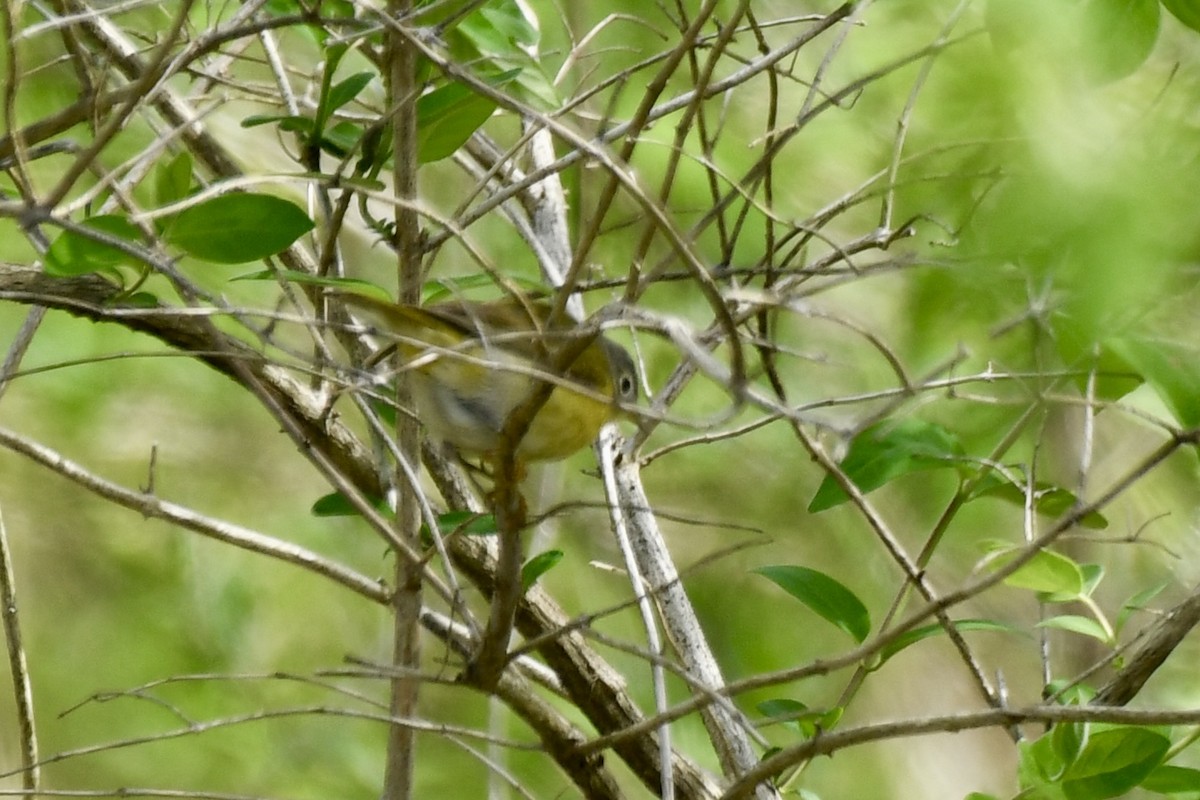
(628, 387)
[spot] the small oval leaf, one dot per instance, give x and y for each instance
(239, 227)
(77, 254)
(911, 637)
(345, 91)
(355, 285)
(1113, 762)
(539, 565)
(446, 118)
(468, 523)
(1077, 624)
(1170, 368)
(173, 179)
(1172, 780)
(887, 451)
(824, 595)
(337, 504)
(790, 713)
(1047, 572)
(1048, 499)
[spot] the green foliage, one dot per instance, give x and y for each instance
(1074, 623)
(495, 40)
(447, 116)
(1048, 499)
(537, 566)
(319, 132)
(229, 229)
(911, 637)
(173, 179)
(1047, 572)
(1186, 11)
(797, 716)
(824, 595)
(236, 228)
(889, 450)
(1170, 779)
(75, 253)
(336, 504)
(464, 522)
(1058, 579)
(294, 276)
(1090, 762)
(1171, 369)
(1109, 38)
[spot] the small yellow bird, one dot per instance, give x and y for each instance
(474, 363)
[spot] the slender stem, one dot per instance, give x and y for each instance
(19, 666)
(406, 655)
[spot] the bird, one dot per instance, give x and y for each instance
(473, 363)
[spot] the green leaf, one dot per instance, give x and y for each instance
(887, 451)
(442, 288)
(1077, 624)
(1113, 762)
(1118, 35)
(1108, 39)
(327, 9)
(1047, 572)
(324, 10)
(375, 150)
(354, 285)
(1048, 499)
(782, 708)
(1092, 575)
(76, 254)
(236, 228)
(1186, 11)
(537, 566)
(829, 720)
(494, 40)
(1069, 693)
(1040, 768)
(1067, 739)
(468, 523)
(287, 122)
(142, 300)
(342, 138)
(911, 637)
(1137, 603)
(796, 715)
(446, 118)
(824, 595)
(1172, 780)
(507, 19)
(1171, 369)
(346, 90)
(980, 796)
(173, 179)
(337, 504)
(1114, 377)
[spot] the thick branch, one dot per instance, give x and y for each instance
(1160, 642)
(92, 298)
